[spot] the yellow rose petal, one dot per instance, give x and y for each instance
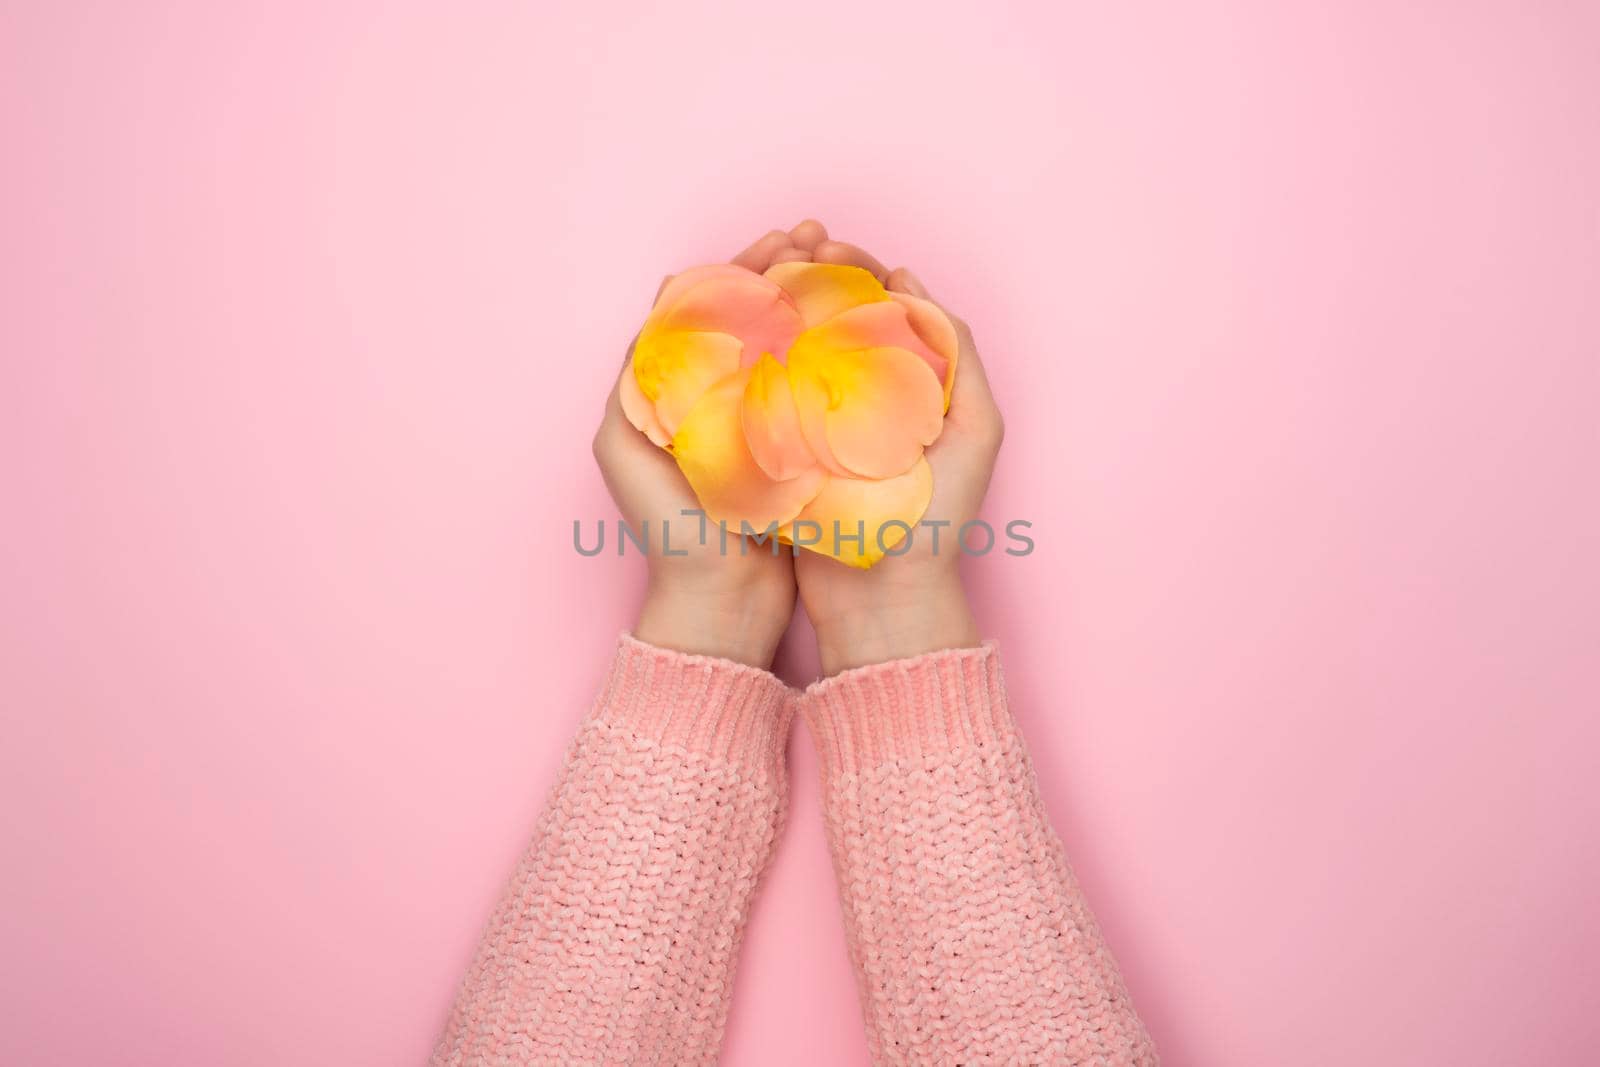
(881, 512)
(772, 423)
(639, 410)
(822, 290)
(711, 451)
(674, 369)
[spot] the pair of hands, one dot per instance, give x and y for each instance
(738, 605)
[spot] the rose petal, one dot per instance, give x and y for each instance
(938, 333)
(811, 400)
(731, 300)
(881, 325)
(822, 290)
(772, 423)
(872, 410)
(639, 410)
(675, 369)
(711, 451)
(865, 507)
(679, 284)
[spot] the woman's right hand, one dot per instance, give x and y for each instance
(703, 597)
(911, 603)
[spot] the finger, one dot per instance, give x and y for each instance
(792, 255)
(970, 396)
(901, 280)
(636, 472)
(849, 255)
(618, 444)
(971, 400)
(758, 257)
(808, 235)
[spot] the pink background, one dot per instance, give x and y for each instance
(307, 313)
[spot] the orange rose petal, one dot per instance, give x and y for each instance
(675, 369)
(822, 290)
(711, 451)
(885, 418)
(879, 406)
(881, 325)
(639, 410)
(734, 301)
(811, 400)
(772, 423)
(680, 284)
(867, 507)
(938, 333)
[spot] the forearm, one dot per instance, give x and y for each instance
(970, 937)
(616, 940)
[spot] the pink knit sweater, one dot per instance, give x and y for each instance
(616, 940)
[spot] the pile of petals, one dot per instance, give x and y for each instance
(801, 396)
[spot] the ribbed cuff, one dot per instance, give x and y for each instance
(715, 707)
(909, 709)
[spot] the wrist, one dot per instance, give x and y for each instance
(894, 624)
(743, 625)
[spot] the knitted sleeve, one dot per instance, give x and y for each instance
(616, 939)
(971, 940)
